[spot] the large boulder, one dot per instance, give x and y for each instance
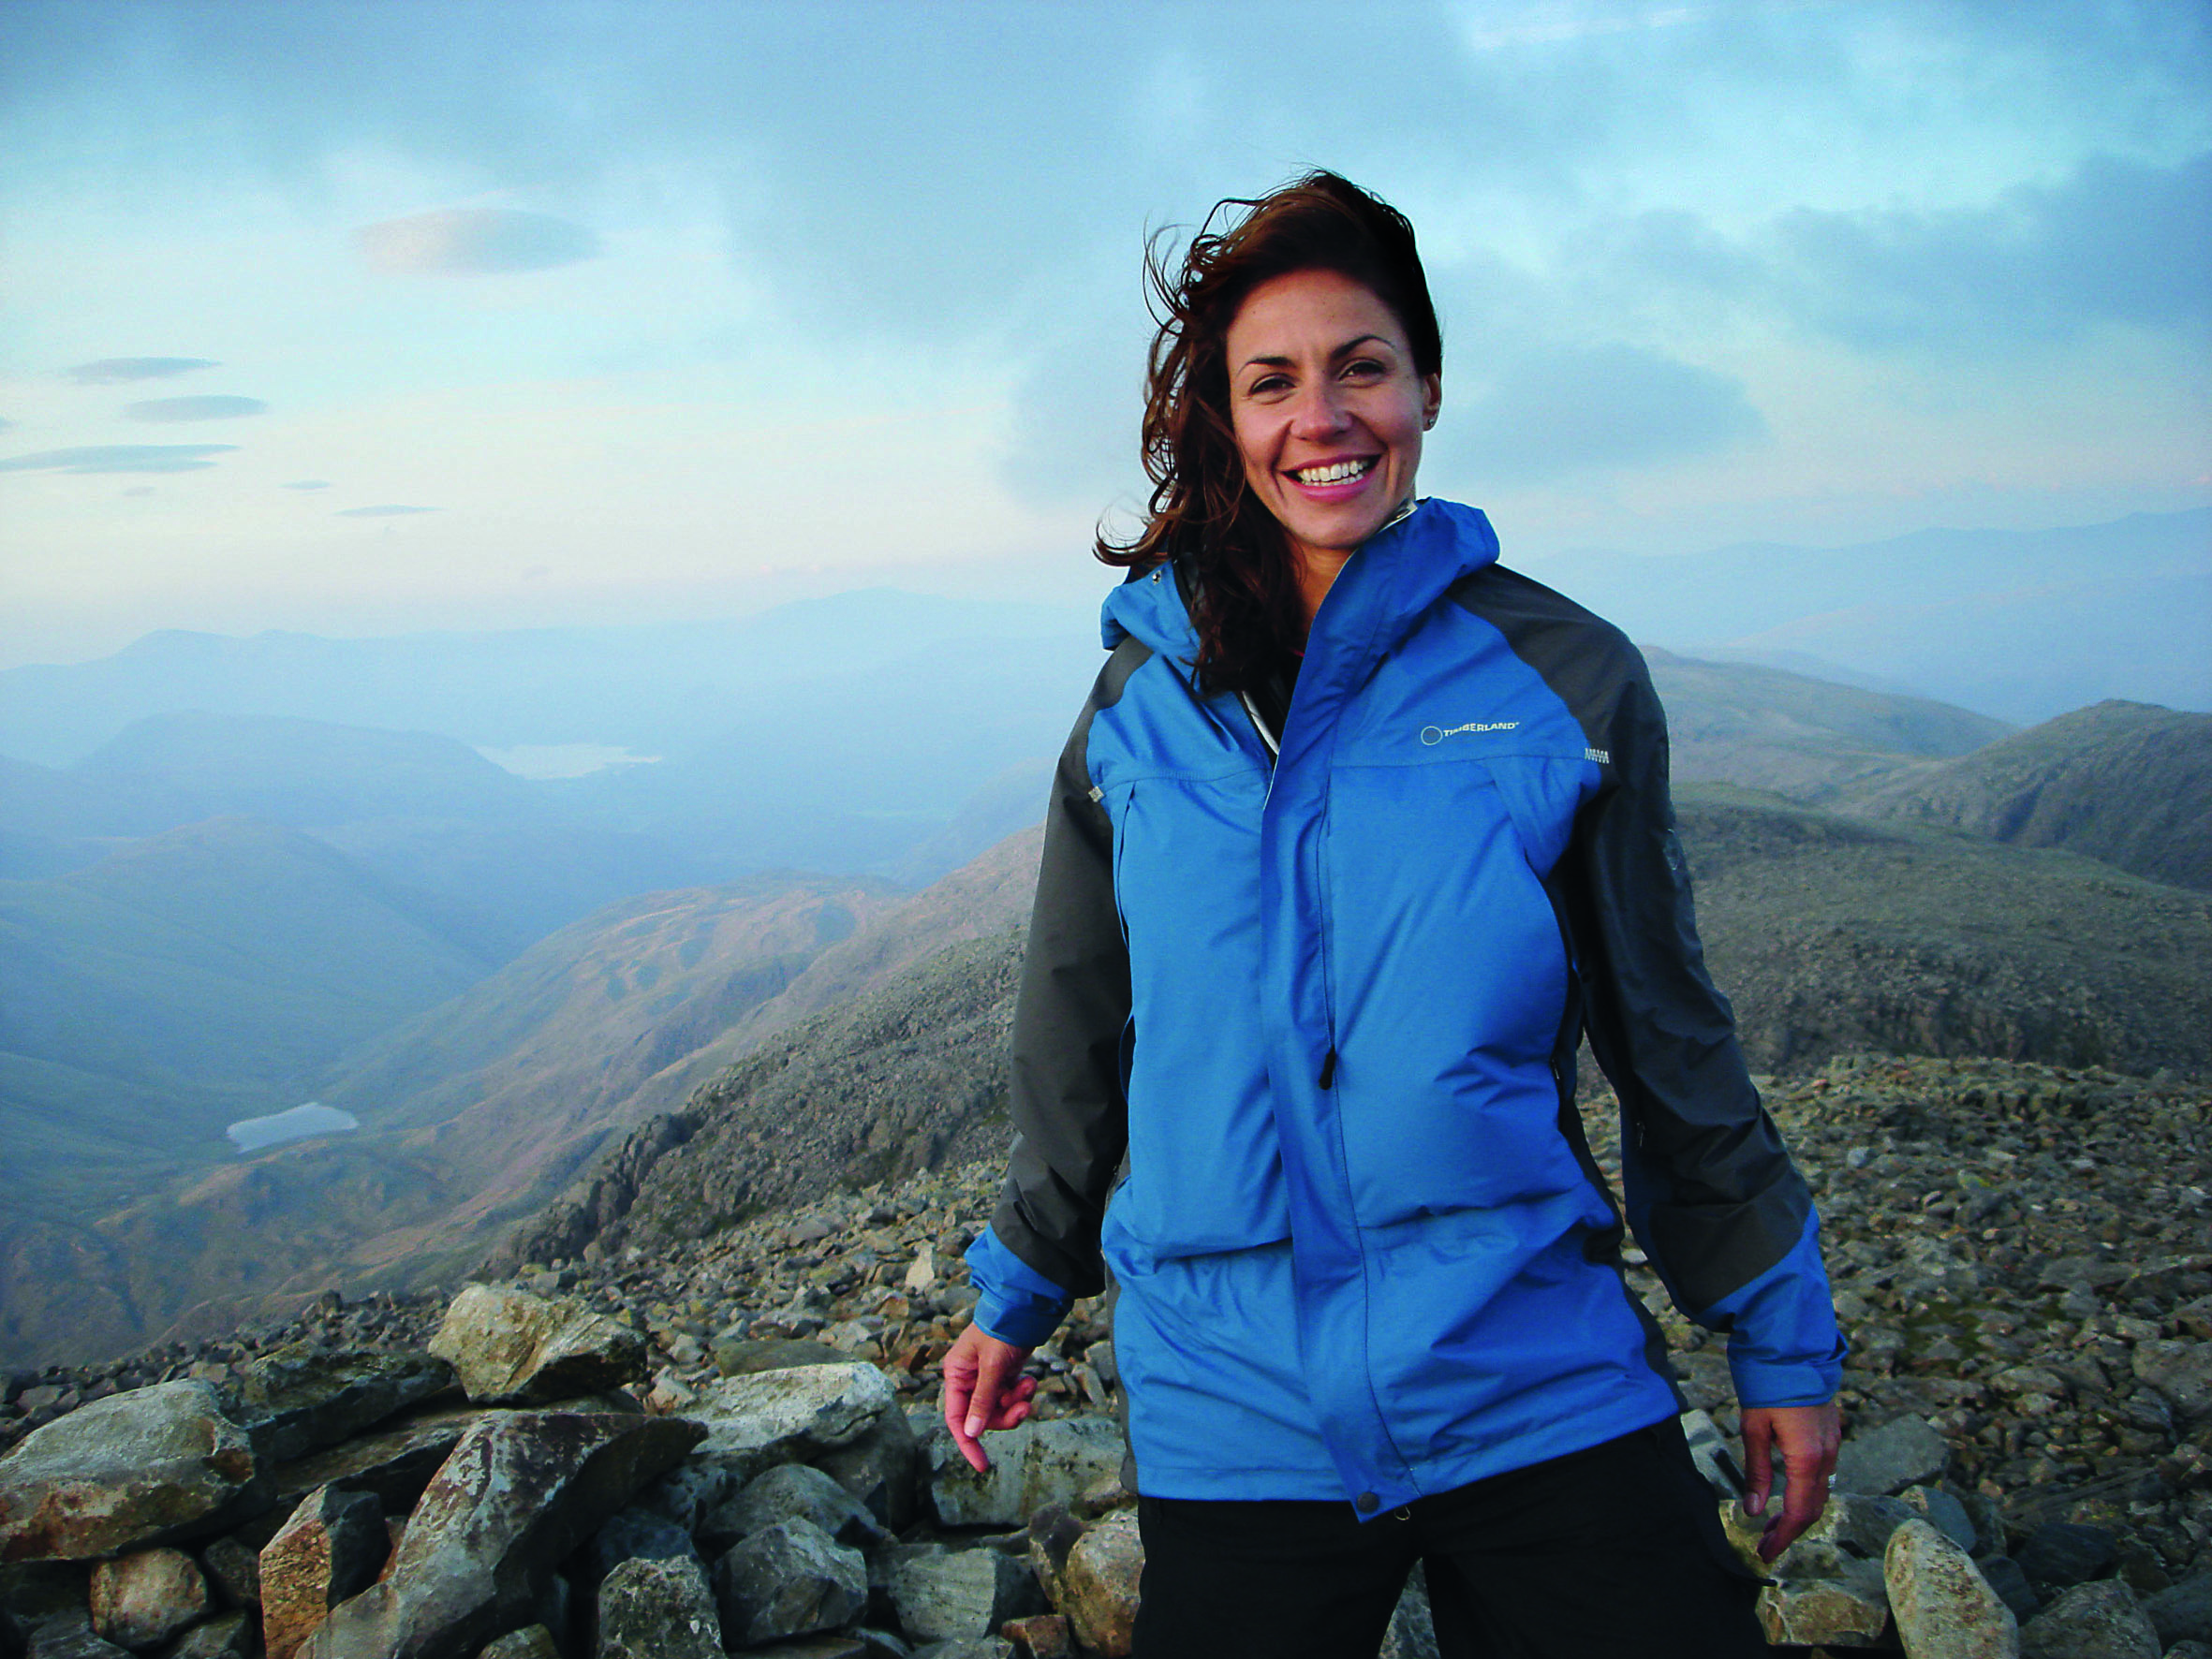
(151, 1467)
(329, 1550)
(510, 1347)
(1033, 1465)
(301, 1399)
(882, 1469)
(791, 1491)
(756, 1421)
(395, 1462)
(1847, 1609)
(2100, 1620)
(227, 1636)
(661, 1608)
(1944, 1608)
(140, 1600)
(2182, 1374)
(1886, 1461)
(941, 1594)
(1098, 1584)
(519, 1493)
(790, 1581)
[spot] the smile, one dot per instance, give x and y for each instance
(1335, 472)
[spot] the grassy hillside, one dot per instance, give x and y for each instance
(1805, 739)
(1830, 935)
(2126, 782)
(223, 963)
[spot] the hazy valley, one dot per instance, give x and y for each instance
(770, 947)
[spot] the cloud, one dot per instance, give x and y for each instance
(120, 458)
(1551, 411)
(2120, 241)
(114, 371)
(139, 490)
(472, 242)
(5, 424)
(308, 484)
(392, 511)
(200, 408)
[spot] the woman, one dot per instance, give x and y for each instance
(1358, 833)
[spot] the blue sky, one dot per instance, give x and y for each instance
(362, 317)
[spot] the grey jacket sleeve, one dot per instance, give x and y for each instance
(1069, 1118)
(1710, 1190)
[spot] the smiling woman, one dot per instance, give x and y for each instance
(1357, 835)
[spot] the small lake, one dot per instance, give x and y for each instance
(563, 761)
(250, 1134)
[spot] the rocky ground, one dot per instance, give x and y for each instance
(2021, 1254)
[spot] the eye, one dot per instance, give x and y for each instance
(1364, 368)
(1267, 386)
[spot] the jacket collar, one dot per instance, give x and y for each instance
(1396, 574)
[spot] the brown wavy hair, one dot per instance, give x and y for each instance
(1245, 594)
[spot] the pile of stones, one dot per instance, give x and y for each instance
(2021, 1253)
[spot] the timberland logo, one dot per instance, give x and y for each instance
(1432, 735)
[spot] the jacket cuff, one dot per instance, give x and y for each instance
(1016, 1303)
(1783, 1345)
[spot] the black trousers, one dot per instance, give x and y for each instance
(1615, 1552)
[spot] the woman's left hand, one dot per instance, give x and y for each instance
(1808, 1436)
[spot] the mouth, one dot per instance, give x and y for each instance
(1324, 473)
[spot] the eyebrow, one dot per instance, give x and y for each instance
(1284, 362)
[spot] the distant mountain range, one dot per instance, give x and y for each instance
(2020, 624)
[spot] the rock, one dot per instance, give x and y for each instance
(152, 1466)
(1943, 1608)
(510, 1347)
(1412, 1631)
(1886, 1461)
(227, 1635)
(2182, 1374)
(767, 1418)
(1098, 1584)
(1709, 1450)
(301, 1399)
(395, 1462)
(635, 1533)
(1850, 1610)
(2011, 1586)
(2183, 1612)
(71, 1637)
(882, 1469)
(142, 1599)
(2060, 1553)
(968, 1647)
(658, 1609)
(234, 1566)
(2100, 1620)
(1040, 1636)
(330, 1549)
(519, 1493)
(531, 1642)
(1032, 1465)
(941, 1594)
(789, 1491)
(786, 1581)
(1943, 1512)
(738, 1357)
(690, 1491)
(2189, 1650)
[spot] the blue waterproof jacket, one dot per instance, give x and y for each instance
(1327, 1002)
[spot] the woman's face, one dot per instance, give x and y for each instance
(1327, 408)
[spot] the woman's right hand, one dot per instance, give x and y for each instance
(984, 1390)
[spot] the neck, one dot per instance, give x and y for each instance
(1317, 568)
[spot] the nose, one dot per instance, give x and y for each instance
(1319, 411)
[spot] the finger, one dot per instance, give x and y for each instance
(1808, 1495)
(1759, 1470)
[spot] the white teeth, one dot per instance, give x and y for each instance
(1336, 472)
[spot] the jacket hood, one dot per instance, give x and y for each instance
(1404, 568)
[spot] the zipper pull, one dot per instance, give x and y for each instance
(1329, 1068)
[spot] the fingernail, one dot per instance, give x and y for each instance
(975, 1427)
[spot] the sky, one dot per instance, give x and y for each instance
(359, 319)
